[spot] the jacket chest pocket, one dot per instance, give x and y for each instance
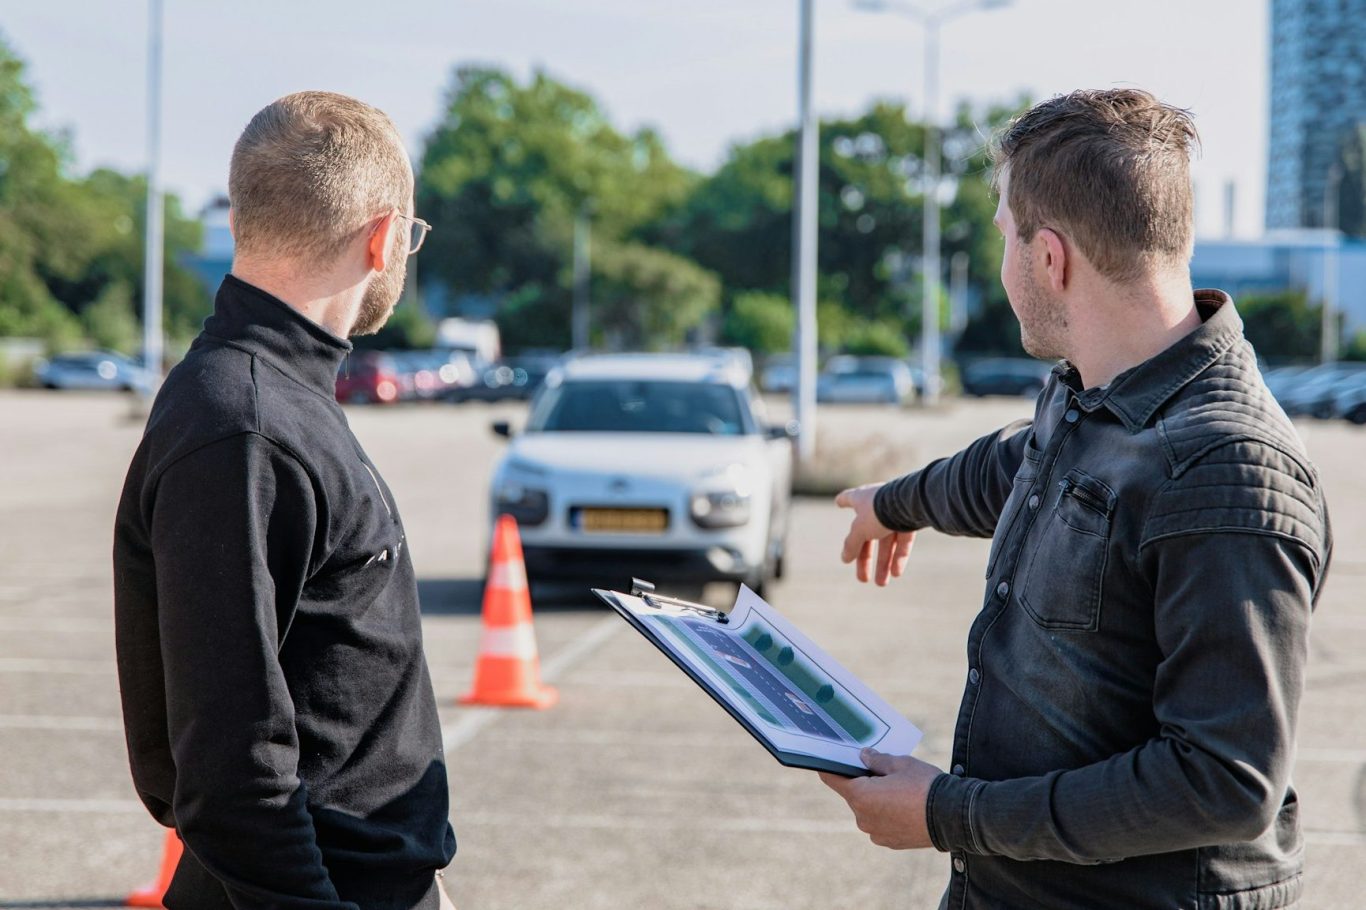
(1065, 568)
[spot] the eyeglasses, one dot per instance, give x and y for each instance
(417, 235)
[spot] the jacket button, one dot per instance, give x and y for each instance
(974, 677)
(959, 770)
(958, 865)
(1033, 502)
(1071, 415)
(1002, 590)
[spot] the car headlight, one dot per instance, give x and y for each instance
(529, 506)
(720, 508)
(723, 498)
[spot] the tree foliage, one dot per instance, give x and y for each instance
(505, 174)
(69, 244)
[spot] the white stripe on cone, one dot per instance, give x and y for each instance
(510, 641)
(507, 576)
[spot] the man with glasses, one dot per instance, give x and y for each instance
(277, 705)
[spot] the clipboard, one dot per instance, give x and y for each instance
(798, 702)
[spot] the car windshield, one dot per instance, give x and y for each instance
(638, 406)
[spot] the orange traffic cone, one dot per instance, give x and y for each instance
(151, 895)
(508, 673)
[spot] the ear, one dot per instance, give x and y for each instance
(381, 243)
(1054, 255)
(232, 224)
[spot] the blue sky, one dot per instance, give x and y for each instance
(705, 73)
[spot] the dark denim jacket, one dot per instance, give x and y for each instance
(1128, 720)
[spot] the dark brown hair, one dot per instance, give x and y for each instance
(1110, 170)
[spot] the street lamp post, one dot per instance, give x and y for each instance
(1328, 331)
(152, 258)
(929, 312)
(804, 202)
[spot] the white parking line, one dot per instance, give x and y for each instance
(472, 720)
(55, 624)
(669, 823)
(74, 806)
(58, 722)
(52, 665)
(1340, 756)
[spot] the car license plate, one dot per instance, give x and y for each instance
(624, 521)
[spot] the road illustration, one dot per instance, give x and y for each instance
(766, 683)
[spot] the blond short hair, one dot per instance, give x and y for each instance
(1111, 168)
(310, 171)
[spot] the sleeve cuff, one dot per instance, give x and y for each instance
(948, 813)
(889, 504)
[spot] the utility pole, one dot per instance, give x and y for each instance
(929, 310)
(804, 202)
(1328, 333)
(930, 20)
(152, 354)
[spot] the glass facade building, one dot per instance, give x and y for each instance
(1318, 97)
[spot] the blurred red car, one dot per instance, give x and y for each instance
(368, 378)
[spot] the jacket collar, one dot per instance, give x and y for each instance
(1136, 394)
(247, 317)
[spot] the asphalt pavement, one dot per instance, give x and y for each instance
(635, 790)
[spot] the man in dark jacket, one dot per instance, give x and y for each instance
(1159, 539)
(277, 705)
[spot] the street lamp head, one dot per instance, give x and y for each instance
(871, 6)
(993, 4)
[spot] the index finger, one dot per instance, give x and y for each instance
(844, 499)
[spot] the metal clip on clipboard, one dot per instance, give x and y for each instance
(646, 592)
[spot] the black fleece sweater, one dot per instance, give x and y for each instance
(276, 700)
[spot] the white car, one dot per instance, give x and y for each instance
(648, 465)
(865, 380)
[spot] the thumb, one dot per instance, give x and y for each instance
(880, 763)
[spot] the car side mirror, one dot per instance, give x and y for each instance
(790, 430)
(502, 428)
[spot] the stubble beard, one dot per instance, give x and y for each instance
(1043, 323)
(384, 290)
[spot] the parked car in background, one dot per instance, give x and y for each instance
(1005, 376)
(92, 370)
(369, 377)
(657, 466)
(517, 379)
(1349, 401)
(779, 374)
(1314, 391)
(428, 375)
(869, 380)
(1279, 380)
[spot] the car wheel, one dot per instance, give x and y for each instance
(1357, 415)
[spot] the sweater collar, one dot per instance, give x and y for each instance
(264, 325)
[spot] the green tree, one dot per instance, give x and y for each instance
(34, 216)
(1282, 325)
(67, 243)
(762, 322)
(738, 221)
(504, 176)
(646, 298)
(111, 322)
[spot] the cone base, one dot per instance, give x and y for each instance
(539, 699)
(149, 898)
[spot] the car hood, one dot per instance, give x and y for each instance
(670, 455)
